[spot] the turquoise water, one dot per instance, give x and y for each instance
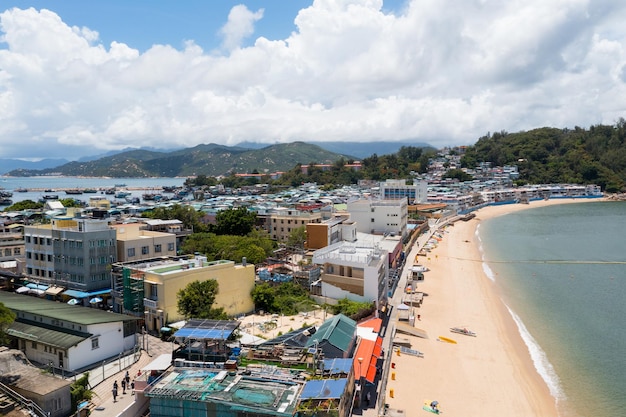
(562, 272)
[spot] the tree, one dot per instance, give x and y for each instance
(197, 298)
(237, 221)
(263, 296)
(79, 391)
(190, 217)
(70, 202)
(6, 318)
(24, 205)
(297, 237)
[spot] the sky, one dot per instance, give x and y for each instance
(82, 78)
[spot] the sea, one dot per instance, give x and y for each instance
(561, 271)
(37, 186)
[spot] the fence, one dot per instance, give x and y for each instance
(113, 366)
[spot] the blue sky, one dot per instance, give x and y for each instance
(143, 23)
(81, 78)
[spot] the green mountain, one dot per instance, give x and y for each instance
(209, 160)
(548, 155)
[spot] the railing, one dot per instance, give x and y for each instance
(149, 303)
(30, 405)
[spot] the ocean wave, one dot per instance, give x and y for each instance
(540, 360)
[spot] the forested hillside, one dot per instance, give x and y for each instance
(548, 155)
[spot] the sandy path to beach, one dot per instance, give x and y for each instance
(488, 375)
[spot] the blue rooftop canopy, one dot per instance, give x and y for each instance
(207, 329)
(323, 389)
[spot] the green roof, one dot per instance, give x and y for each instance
(44, 335)
(338, 331)
(59, 311)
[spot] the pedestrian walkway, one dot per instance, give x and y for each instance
(102, 402)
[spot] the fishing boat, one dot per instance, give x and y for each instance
(74, 191)
(6, 201)
(90, 191)
(122, 194)
(463, 331)
(21, 190)
(50, 197)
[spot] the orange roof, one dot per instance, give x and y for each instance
(369, 351)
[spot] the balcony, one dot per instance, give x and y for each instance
(148, 303)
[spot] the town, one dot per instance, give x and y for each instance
(95, 291)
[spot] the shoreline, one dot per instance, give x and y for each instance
(487, 375)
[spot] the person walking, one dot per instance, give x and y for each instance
(127, 378)
(132, 387)
(114, 391)
(123, 386)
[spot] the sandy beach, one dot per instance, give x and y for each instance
(488, 375)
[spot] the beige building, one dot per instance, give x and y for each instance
(135, 244)
(282, 221)
(149, 288)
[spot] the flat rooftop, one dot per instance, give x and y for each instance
(245, 393)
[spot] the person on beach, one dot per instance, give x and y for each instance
(435, 406)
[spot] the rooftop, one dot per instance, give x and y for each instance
(60, 311)
(246, 394)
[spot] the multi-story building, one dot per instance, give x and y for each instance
(399, 189)
(280, 222)
(355, 270)
(148, 288)
(11, 242)
(320, 235)
(379, 216)
(135, 244)
(73, 253)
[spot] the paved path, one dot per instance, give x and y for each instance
(102, 401)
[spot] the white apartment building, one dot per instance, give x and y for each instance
(398, 189)
(355, 270)
(379, 216)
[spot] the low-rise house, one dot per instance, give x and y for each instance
(67, 337)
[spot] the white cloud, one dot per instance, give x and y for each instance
(440, 71)
(240, 25)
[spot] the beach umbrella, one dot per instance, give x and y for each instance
(73, 302)
(95, 300)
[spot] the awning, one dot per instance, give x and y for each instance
(76, 294)
(368, 351)
(99, 292)
(54, 290)
(22, 290)
(161, 363)
(34, 286)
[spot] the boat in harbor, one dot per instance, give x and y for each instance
(463, 330)
(122, 194)
(6, 202)
(90, 191)
(50, 197)
(21, 190)
(73, 191)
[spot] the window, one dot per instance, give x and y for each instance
(372, 220)
(27, 239)
(157, 248)
(145, 250)
(171, 247)
(95, 343)
(34, 345)
(130, 252)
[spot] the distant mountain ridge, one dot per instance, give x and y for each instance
(207, 159)
(8, 164)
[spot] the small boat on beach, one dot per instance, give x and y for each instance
(463, 331)
(447, 340)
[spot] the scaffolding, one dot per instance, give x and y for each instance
(133, 290)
